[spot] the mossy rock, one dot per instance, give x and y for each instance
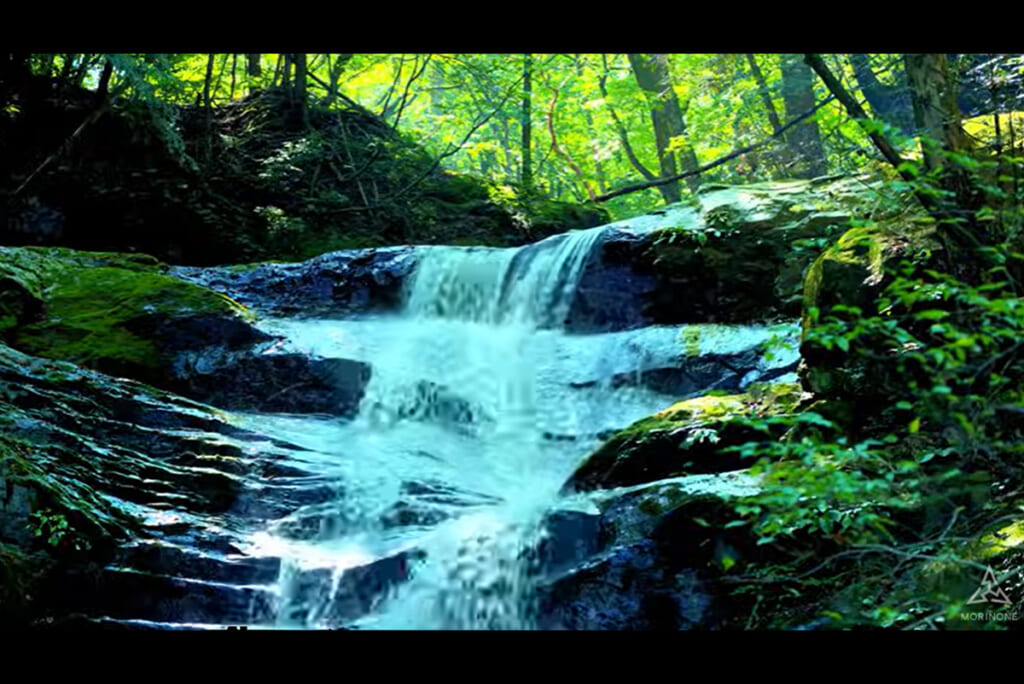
(742, 253)
(853, 272)
(21, 297)
(687, 438)
(116, 313)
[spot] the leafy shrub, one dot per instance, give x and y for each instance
(910, 482)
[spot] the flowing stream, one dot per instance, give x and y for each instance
(478, 409)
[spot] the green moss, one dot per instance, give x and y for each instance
(760, 397)
(690, 337)
(701, 409)
(705, 407)
(94, 304)
(780, 396)
(866, 248)
(852, 272)
(686, 438)
(44, 262)
(861, 247)
(539, 215)
(724, 216)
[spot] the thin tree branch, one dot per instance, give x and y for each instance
(405, 93)
(619, 126)
(452, 149)
(717, 162)
(853, 108)
(766, 96)
(564, 153)
(334, 91)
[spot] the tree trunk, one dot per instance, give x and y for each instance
(620, 127)
(974, 85)
(252, 64)
(803, 141)
(208, 81)
(891, 104)
(88, 61)
(599, 174)
(934, 94)
(526, 123)
(46, 63)
(765, 93)
(277, 71)
(234, 71)
(286, 79)
(951, 215)
(933, 90)
(104, 85)
(65, 70)
(220, 74)
(299, 91)
(653, 77)
(773, 153)
(335, 74)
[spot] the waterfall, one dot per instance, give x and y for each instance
(482, 326)
(531, 286)
(478, 409)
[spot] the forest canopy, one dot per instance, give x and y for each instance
(576, 126)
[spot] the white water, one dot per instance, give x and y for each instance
(471, 382)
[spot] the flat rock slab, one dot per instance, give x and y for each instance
(331, 284)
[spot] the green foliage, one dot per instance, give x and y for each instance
(53, 528)
(923, 469)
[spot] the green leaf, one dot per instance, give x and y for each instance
(931, 315)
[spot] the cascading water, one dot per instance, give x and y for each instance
(478, 409)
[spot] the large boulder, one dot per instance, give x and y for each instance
(120, 314)
(647, 557)
(246, 380)
(690, 437)
(331, 284)
(738, 254)
(92, 466)
(126, 507)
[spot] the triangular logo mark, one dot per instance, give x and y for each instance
(989, 591)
